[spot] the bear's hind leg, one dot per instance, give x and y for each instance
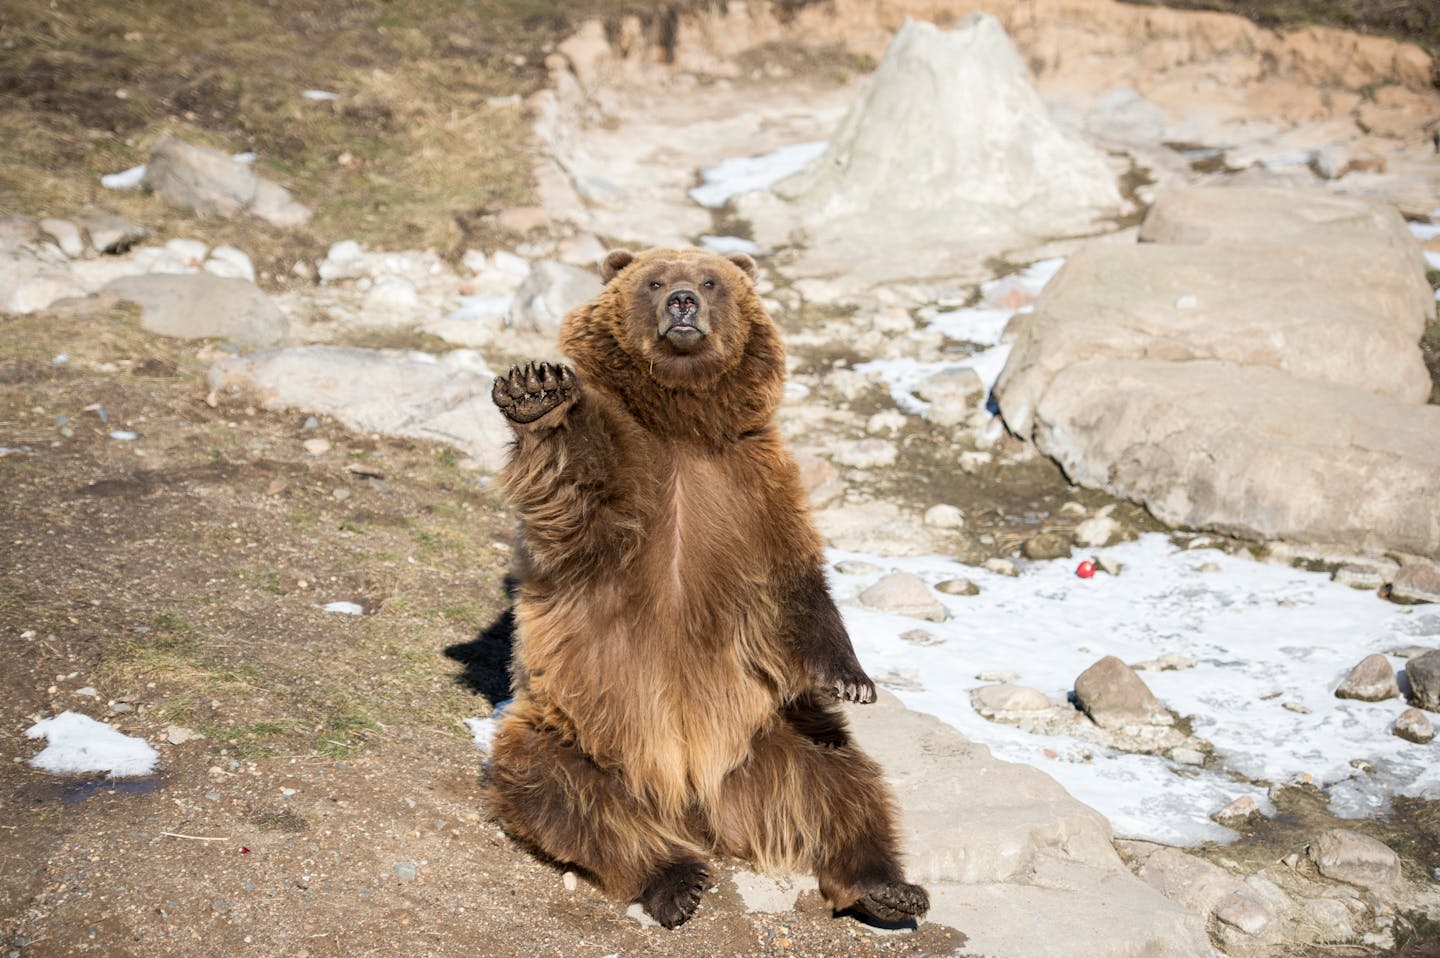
(809, 797)
(554, 797)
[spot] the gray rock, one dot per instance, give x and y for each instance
(944, 516)
(1114, 696)
(445, 399)
(1247, 912)
(957, 587)
(1416, 582)
(199, 306)
(1347, 856)
(1097, 531)
(209, 182)
(1414, 726)
(550, 291)
(904, 594)
(1045, 546)
(1239, 448)
(1371, 680)
(992, 701)
(1423, 675)
(17, 231)
(111, 234)
(405, 871)
(998, 843)
(66, 236)
(1243, 810)
(1343, 316)
(1182, 877)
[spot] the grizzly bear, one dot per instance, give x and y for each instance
(677, 654)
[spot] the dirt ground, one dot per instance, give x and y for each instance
(331, 801)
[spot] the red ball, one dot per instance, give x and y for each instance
(1085, 570)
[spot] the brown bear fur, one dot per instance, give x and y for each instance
(678, 655)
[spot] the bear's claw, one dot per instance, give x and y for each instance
(530, 391)
(674, 893)
(847, 681)
(895, 902)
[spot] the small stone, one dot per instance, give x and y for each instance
(341, 494)
(1001, 566)
(1296, 707)
(1356, 859)
(1414, 726)
(1046, 545)
(66, 236)
(1243, 810)
(1097, 531)
(221, 905)
(1187, 756)
(1108, 565)
(857, 567)
(1423, 674)
(1246, 912)
(179, 734)
(1372, 680)
(885, 423)
(1416, 582)
(1359, 576)
(213, 796)
(866, 453)
(1114, 696)
(230, 261)
(88, 691)
(904, 594)
(993, 700)
(110, 234)
(1169, 662)
(310, 423)
(405, 871)
(1000, 676)
(944, 516)
(919, 637)
(957, 587)
(570, 880)
(317, 447)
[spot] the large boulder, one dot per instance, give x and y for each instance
(207, 181)
(1339, 315)
(388, 391)
(998, 843)
(203, 306)
(1249, 450)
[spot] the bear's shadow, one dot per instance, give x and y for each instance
(485, 659)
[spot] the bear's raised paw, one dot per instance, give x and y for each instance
(674, 893)
(530, 391)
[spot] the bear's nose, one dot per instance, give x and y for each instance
(682, 305)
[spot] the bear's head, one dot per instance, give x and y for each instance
(688, 313)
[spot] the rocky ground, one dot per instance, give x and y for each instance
(178, 512)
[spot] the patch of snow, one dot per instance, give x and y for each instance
(78, 744)
(483, 730)
(977, 325)
(319, 95)
(345, 608)
(904, 374)
(245, 159)
(124, 435)
(1261, 636)
(481, 307)
(125, 179)
(1432, 259)
(747, 174)
(1424, 232)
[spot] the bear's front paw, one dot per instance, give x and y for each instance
(674, 893)
(895, 902)
(846, 680)
(533, 390)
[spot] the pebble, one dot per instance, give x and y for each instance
(212, 796)
(857, 567)
(957, 587)
(310, 423)
(1100, 530)
(1002, 566)
(1169, 662)
(570, 880)
(1187, 756)
(317, 447)
(998, 676)
(341, 494)
(405, 871)
(88, 691)
(991, 700)
(944, 516)
(179, 735)
(1108, 565)
(1414, 725)
(124, 435)
(1238, 812)
(1295, 707)
(1046, 545)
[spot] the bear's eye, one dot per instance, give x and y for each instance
(654, 284)
(709, 284)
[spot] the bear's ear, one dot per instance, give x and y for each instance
(743, 260)
(615, 261)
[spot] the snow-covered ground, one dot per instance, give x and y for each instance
(77, 744)
(1262, 636)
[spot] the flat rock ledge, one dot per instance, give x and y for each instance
(998, 844)
(1232, 374)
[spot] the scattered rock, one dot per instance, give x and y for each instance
(405, 871)
(209, 182)
(231, 262)
(391, 301)
(953, 394)
(316, 447)
(1046, 545)
(1423, 674)
(550, 291)
(1169, 662)
(1414, 725)
(1417, 581)
(1110, 566)
(1001, 566)
(66, 236)
(866, 453)
(1114, 696)
(17, 231)
(1372, 680)
(179, 735)
(957, 587)
(919, 637)
(1243, 811)
(944, 517)
(857, 567)
(570, 880)
(200, 306)
(111, 234)
(995, 701)
(904, 594)
(1356, 859)
(1097, 531)
(1358, 576)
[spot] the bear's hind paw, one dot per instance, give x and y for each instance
(674, 893)
(895, 902)
(530, 391)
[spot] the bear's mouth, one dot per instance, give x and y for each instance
(681, 325)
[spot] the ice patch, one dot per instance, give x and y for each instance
(345, 608)
(78, 744)
(482, 730)
(903, 375)
(1432, 259)
(1261, 636)
(124, 435)
(978, 325)
(732, 177)
(1424, 232)
(319, 95)
(125, 179)
(481, 307)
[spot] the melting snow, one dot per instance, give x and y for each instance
(1261, 636)
(125, 179)
(345, 608)
(746, 174)
(79, 744)
(903, 375)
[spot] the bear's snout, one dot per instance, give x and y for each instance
(682, 305)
